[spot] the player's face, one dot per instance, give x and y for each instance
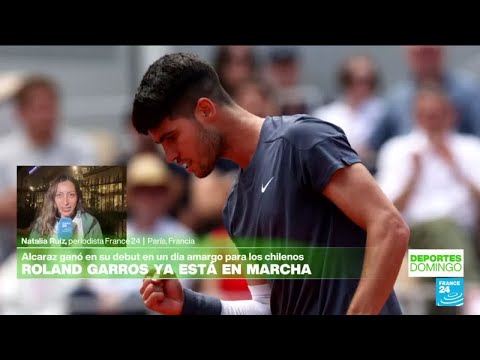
(66, 198)
(189, 143)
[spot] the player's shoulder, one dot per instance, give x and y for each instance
(302, 131)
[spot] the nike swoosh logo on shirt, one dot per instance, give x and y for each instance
(265, 187)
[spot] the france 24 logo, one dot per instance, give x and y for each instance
(449, 292)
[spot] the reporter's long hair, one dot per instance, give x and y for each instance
(45, 223)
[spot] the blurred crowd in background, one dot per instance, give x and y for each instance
(419, 137)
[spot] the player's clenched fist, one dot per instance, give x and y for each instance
(163, 296)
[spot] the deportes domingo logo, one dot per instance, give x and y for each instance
(435, 263)
(447, 266)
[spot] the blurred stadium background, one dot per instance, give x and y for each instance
(98, 81)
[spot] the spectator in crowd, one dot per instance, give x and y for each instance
(427, 66)
(428, 173)
(283, 72)
(430, 176)
(39, 140)
(256, 96)
(234, 64)
(359, 108)
(148, 190)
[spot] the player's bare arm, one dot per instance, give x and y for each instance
(354, 191)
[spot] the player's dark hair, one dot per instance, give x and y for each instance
(172, 86)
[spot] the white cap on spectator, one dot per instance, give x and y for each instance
(147, 169)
